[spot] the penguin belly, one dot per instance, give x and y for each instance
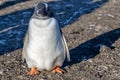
(44, 49)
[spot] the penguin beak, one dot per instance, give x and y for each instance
(39, 12)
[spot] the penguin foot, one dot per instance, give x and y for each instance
(57, 69)
(33, 71)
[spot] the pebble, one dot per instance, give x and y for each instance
(110, 15)
(1, 71)
(98, 18)
(90, 60)
(98, 27)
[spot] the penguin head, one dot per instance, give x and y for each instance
(43, 10)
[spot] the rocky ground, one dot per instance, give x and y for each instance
(92, 31)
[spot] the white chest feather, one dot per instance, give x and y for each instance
(43, 32)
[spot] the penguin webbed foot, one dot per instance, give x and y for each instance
(57, 69)
(33, 71)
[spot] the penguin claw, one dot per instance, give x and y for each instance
(33, 71)
(58, 70)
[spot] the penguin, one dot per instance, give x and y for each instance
(45, 46)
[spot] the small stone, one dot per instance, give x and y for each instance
(98, 18)
(20, 77)
(90, 60)
(1, 71)
(104, 48)
(110, 15)
(98, 27)
(105, 67)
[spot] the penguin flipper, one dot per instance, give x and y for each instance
(66, 50)
(65, 47)
(24, 46)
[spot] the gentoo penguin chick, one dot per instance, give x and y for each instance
(44, 47)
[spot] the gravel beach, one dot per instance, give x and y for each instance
(92, 30)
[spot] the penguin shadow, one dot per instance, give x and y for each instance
(91, 48)
(10, 3)
(14, 25)
(12, 30)
(68, 11)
